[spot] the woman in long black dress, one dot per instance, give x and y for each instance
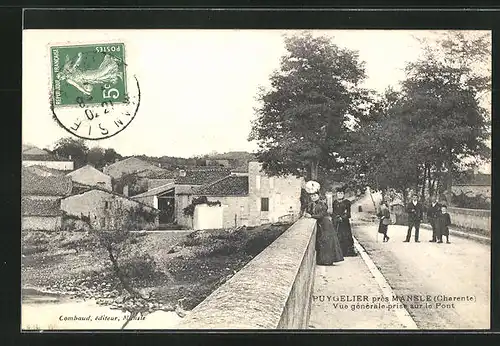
(341, 215)
(328, 249)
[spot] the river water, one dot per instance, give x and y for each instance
(52, 311)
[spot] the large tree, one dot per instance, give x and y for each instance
(110, 156)
(72, 148)
(304, 116)
(418, 138)
(445, 92)
(95, 157)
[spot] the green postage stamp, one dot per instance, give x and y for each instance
(94, 93)
(90, 74)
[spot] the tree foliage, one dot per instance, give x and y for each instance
(303, 118)
(74, 148)
(95, 157)
(419, 137)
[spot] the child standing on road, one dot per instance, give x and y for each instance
(442, 223)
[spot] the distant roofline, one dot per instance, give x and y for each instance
(73, 171)
(196, 192)
(90, 188)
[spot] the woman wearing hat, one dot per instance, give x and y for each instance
(328, 249)
(341, 215)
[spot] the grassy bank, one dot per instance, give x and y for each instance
(168, 266)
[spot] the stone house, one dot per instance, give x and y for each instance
(251, 199)
(162, 198)
(41, 200)
(175, 194)
(106, 209)
(128, 166)
(38, 157)
(91, 176)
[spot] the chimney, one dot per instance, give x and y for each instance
(159, 164)
(182, 173)
(69, 157)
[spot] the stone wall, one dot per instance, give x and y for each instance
(41, 223)
(471, 218)
(273, 291)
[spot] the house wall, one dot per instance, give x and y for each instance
(41, 223)
(283, 194)
(60, 165)
(234, 208)
(91, 176)
(92, 204)
(181, 202)
(208, 217)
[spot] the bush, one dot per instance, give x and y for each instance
(226, 235)
(475, 202)
(256, 244)
(189, 210)
(34, 238)
(192, 242)
(224, 249)
(139, 268)
(75, 240)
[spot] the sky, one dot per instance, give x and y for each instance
(198, 87)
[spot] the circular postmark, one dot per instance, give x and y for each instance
(93, 95)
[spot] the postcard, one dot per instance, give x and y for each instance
(256, 179)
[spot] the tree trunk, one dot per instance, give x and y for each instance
(119, 274)
(429, 181)
(423, 182)
(449, 178)
(314, 169)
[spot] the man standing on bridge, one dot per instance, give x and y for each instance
(415, 212)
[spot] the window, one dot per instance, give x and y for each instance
(106, 205)
(257, 182)
(264, 204)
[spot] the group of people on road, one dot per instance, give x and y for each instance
(437, 215)
(334, 239)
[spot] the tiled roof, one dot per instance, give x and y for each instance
(155, 191)
(34, 151)
(80, 189)
(202, 176)
(184, 190)
(130, 165)
(43, 170)
(229, 186)
(47, 157)
(31, 206)
(55, 185)
(241, 169)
